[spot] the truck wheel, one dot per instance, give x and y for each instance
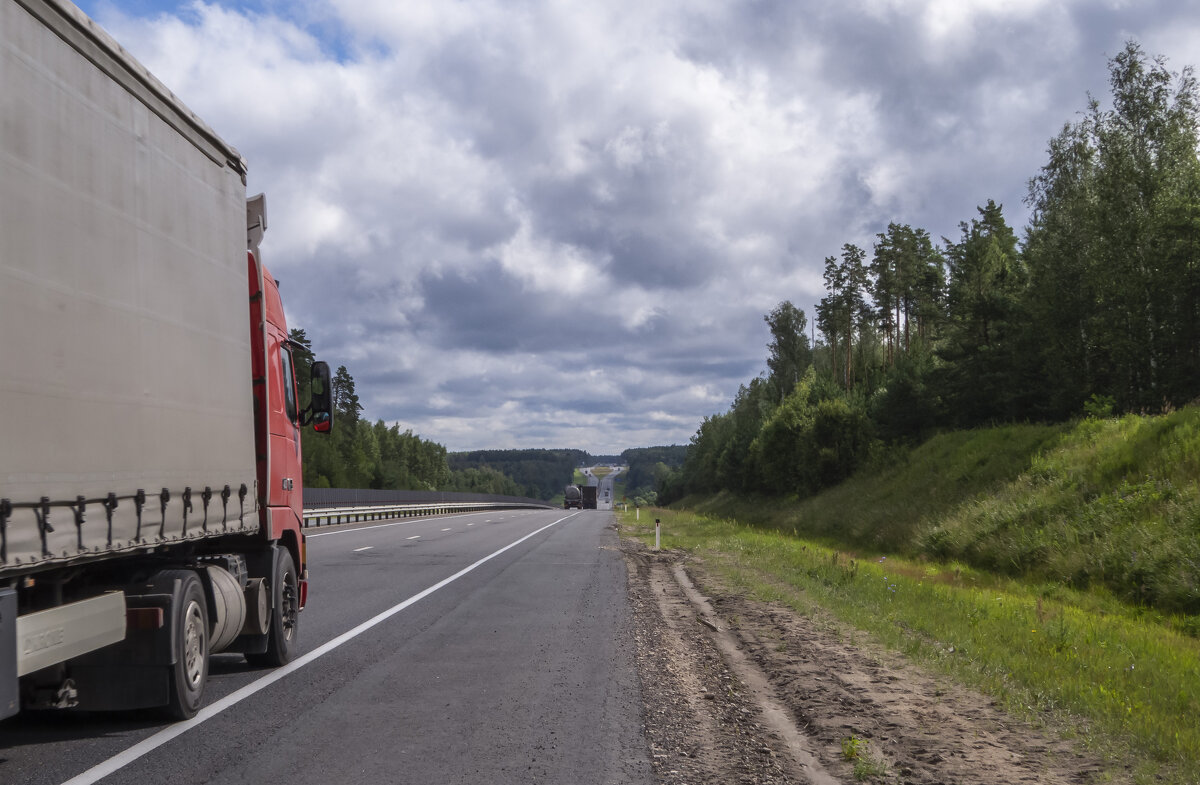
(190, 670)
(285, 615)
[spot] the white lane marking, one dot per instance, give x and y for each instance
(364, 548)
(146, 746)
(414, 537)
(446, 530)
(470, 524)
(308, 536)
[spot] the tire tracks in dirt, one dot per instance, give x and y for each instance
(771, 697)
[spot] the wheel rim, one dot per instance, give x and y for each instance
(290, 606)
(193, 645)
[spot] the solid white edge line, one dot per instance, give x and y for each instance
(123, 759)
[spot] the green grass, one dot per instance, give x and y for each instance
(1107, 504)
(886, 507)
(1124, 681)
(1116, 504)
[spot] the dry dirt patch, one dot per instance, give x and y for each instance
(781, 704)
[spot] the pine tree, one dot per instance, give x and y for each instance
(345, 400)
(987, 281)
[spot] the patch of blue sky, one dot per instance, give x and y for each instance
(332, 35)
(136, 8)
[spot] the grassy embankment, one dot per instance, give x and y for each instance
(619, 487)
(1055, 568)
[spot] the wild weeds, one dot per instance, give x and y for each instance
(866, 763)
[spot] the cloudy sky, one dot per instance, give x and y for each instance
(558, 223)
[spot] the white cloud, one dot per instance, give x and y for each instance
(551, 222)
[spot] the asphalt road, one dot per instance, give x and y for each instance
(481, 648)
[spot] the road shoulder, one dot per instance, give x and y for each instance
(711, 715)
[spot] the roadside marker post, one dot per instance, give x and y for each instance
(657, 533)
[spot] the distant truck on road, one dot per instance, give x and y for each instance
(572, 497)
(589, 496)
(150, 473)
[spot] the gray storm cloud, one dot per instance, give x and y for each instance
(560, 224)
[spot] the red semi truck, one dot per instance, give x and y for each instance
(150, 467)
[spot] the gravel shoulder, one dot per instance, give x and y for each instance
(740, 691)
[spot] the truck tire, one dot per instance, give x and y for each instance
(190, 628)
(285, 615)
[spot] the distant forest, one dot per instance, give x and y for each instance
(360, 454)
(648, 467)
(1095, 312)
(539, 474)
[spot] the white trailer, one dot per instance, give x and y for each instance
(133, 460)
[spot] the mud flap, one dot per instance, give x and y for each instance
(132, 674)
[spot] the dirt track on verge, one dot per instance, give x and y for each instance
(769, 696)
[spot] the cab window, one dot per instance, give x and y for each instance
(289, 383)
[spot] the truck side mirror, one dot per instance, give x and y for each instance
(320, 410)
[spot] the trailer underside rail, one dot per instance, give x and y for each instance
(39, 514)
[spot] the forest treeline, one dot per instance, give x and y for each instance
(1094, 311)
(361, 454)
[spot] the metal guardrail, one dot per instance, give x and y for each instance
(369, 497)
(326, 516)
